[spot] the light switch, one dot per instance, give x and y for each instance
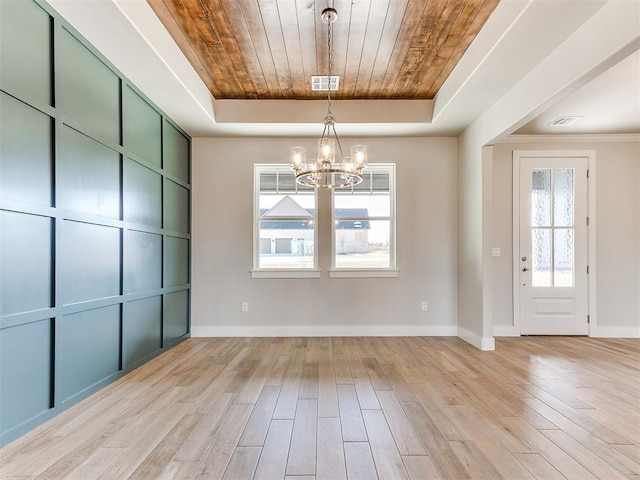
(495, 252)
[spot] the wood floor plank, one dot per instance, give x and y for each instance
(342, 369)
(475, 461)
(136, 452)
(273, 461)
(590, 438)
(296, 361)
(438, 447)
(394, 378)
(630, 451)
(618, 424)
(258, 425)
(492, 443)
(330, 451)
(215, 461)
(302, 453)
(421, 467)
(242, 464)
(61, 458)
(127, 436)
(364, 389)
(214, 391)
(96, 464)
(165, 451)
(596, 465)
(359, 461)
(562, 461)
(564, 416)
(278, 371)
(350, 415)
(376, 374)
(327, 390)
(195, 446)
(434, 403)
(405, 436)
(288, 399)
(386, 457)
(538, 466)
(252, 389)
(309, 380)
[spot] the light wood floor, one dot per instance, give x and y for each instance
(356, 408)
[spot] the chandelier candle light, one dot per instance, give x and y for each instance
(326, 171)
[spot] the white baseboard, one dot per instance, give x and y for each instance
(483, 343)
(326, 331)
(615, 332)
(506, 331)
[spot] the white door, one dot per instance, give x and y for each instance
(553, 250)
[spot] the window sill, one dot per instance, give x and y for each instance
(285, 273)
(363, 273)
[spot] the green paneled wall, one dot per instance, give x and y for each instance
(26, 65)
(94, 220)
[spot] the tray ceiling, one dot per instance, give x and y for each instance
(268, 50)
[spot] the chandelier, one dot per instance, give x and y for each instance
(326, 171)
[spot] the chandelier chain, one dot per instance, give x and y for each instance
(329, 119)
(330, 57)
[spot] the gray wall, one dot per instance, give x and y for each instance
(617, 179)
(94, 221)
(222, 248)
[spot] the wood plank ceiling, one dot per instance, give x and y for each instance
(269, 49)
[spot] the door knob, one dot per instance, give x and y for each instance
(525, 269)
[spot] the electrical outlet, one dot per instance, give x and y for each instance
(425, 306)
(245, 306)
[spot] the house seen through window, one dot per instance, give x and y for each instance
(285, 221)
(363, 221)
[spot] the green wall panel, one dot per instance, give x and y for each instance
(25, 356)
(176, 210)
(142, 195)
(26, 166)
(176, 261)
(144, 261)
(88, 90)
(89, 349)
(143, 327)
(176, 315)
(25, 376)
(25, 50)
(176, 152)
(142, 128)
(90, 175)
(26, 272)
(90, 262)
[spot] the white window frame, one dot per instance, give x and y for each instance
(392, 270)
(258, 272)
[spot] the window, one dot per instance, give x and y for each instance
(364, 225)
(285, 219)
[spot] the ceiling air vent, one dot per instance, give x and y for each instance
(322, 83)
(564, 121)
